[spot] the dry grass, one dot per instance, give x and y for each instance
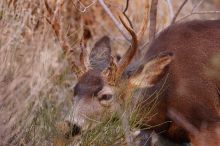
(35, 79)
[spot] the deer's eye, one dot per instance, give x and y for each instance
(75, 90)
(106, 97)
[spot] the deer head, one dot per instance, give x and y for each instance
(95, 93)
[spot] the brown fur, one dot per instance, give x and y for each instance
(89, 84)
(189, 90)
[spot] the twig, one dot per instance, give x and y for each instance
(178, 11)
(198, 5)
(143, 27)
(115, 21)
(193, 11)
(170, 9)
(178, 118)
(126, 128)
(153, 20)
(124, 12)
(126, 7)
(199, 13)
(82, 8)
(206, 12)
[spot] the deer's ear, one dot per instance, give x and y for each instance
(150, 73)
(100, 55)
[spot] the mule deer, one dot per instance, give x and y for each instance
(177, 60)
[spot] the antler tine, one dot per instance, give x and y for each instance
(135, 40)
(130, 52)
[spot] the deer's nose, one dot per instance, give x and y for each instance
(75, 129)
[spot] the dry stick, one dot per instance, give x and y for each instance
(57, 10)
(178, 11)
(181, 120)
(126, 127)
(198, 5)
(143, 27)
(169, 3)
(82, 8)
(198, 12)
(124, 12)
(126, 7)
(153, 20)
(117, 24)
(178, 118)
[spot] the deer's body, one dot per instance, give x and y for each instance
(189, 89)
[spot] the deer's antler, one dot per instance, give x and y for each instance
(135, 39)
(126, 59)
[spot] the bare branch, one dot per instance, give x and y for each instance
(81, 7)
(126, 7)
(169, 3)
(153, 19)
(178, 11)
(126, 128)
(194, 12)
(206, 12)
(202, 136)
(197, 5)
(49, 10)
(143, 27)
(124, 12)
(199, 13)
(115, 21)
(123, 111)
(178, 118)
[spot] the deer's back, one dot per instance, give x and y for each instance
(189, 88)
